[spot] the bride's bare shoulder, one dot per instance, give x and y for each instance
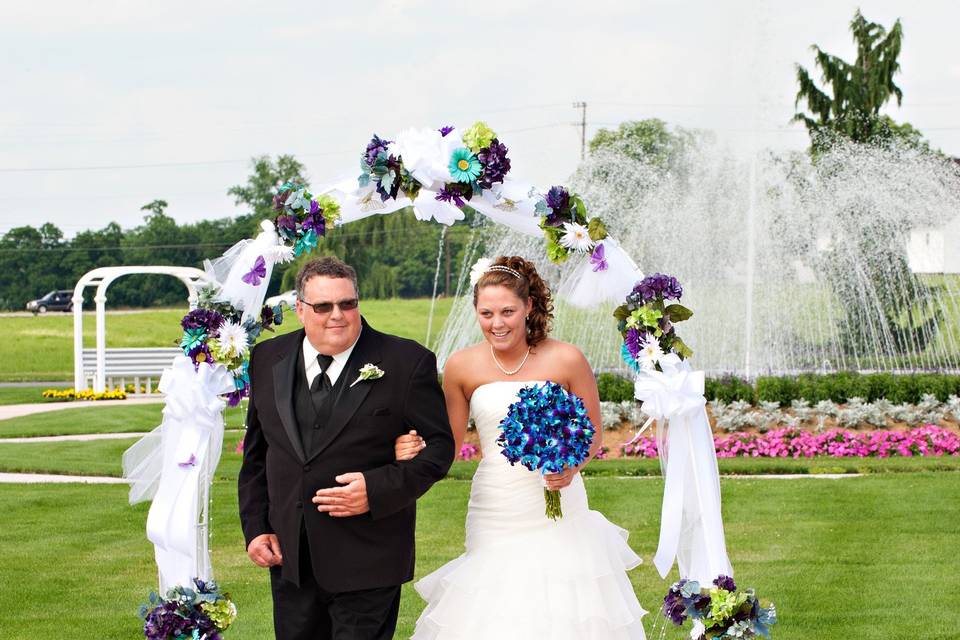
(560, 352)
(463, 361)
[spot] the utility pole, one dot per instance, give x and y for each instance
(583, 127)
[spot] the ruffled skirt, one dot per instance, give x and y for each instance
(563, 580)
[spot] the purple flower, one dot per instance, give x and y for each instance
(279, 201)
(206, 319)
(445, 130)
(267, 317)
(374, 148)
(201, 353)
(632, 340)
(495, 163)
(674, 607)
(450, 194)
(558, 199)
(315, 221)
(287, 223)
(725, 582)
(658, 285)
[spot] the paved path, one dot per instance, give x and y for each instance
(17, 410)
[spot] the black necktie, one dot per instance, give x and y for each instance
(321, 385)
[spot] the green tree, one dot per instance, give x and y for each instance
(867, 266)
(649, 141)
(262, 184)
(857, 91)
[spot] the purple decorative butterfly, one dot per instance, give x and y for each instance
(597, 258)
(259, 271)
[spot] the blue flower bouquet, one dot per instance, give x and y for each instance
(718, 612)
(546, 429)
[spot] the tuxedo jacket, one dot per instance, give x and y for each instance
(278, 479)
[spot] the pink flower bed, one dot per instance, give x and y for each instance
(928, 440)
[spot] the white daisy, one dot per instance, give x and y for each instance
(233, 339)
(478, 269)
(650, 353)
(576, 237)
(279, 253)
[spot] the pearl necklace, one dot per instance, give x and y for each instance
(500, 366)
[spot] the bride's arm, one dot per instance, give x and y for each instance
(458, 407)
(581, 382)
(584, 384)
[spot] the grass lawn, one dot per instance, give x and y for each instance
(26, 395)
(106, 419)
(102, 457)
(823, 550)
(41, 347)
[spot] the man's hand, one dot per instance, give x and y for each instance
(348, 500)
(264, 550)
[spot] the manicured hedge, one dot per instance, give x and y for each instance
(838, 387)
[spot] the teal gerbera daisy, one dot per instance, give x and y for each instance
(464, 166)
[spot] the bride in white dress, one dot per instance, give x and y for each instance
(524, 575)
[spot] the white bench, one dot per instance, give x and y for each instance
(130, 363)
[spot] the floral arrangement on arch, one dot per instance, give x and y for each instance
(456, 166)
(719, 611)
(646, 322)
(188, 614)
(302, 218)
(568, 228)
(214, 333)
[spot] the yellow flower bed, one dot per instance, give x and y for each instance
(84, 394)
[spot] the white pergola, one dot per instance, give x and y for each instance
(103, 277)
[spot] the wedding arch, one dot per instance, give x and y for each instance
(438, 173)
(103, 277)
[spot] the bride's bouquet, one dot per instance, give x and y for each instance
(546, 429)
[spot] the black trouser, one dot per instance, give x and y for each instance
(308, 612)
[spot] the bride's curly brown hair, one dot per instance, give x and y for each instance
(528, 285)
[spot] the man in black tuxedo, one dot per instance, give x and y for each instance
(323, 502)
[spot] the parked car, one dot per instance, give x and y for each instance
(287, 297)
(53, 301)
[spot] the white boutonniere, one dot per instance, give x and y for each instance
(368, 372)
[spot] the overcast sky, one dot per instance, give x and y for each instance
(108, 105)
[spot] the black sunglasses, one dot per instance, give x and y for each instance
(326, 307)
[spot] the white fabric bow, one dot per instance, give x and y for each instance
(174, 466)
(691, 527)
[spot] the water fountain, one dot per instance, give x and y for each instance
(788, 266)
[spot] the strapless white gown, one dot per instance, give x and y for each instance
(523, 575)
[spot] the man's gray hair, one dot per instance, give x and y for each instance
(326, 267)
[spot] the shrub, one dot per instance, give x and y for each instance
(614, 388)
(729, 389)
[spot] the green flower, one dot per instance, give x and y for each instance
(464, 166)
(222, 612)
(723, 603)
(331, 209)
(478, 136)
(646, 316)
